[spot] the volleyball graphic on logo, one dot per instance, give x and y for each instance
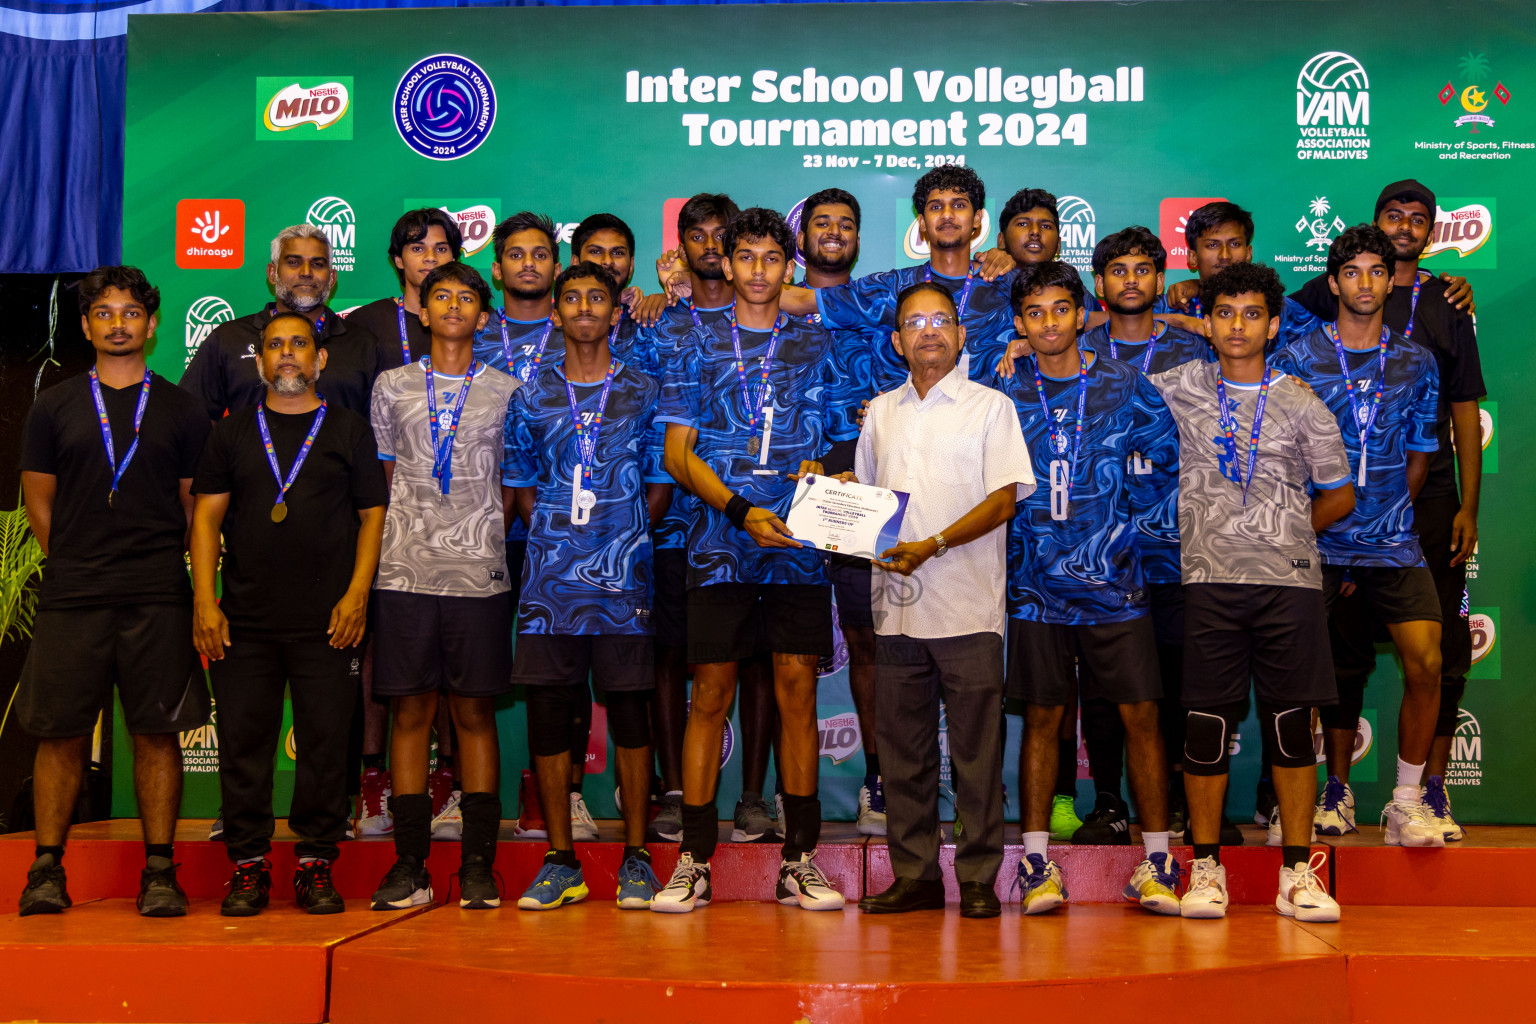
(445, 107)
(1331, 72)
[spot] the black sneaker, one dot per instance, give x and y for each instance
(407, 884)
(248, 890)
(477, 885)
(1265, 803)
(216, 830)
(45, 892)
(1230, 834)
(1108, 825)
(1178, 823)
(159, 894)
(313, 890)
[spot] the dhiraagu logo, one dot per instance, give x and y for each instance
(298, 109)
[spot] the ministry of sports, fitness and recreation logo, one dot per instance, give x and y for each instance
(1464, 227)
(839, 736)
(1317, 227)
(1473, 93)
(1333, 108)
(304, 108)
(1466, 766)
(445, 106)
(334, 216)
(202, 317)
(1079, 232)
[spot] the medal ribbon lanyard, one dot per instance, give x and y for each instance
(1229, 427)
(583, 497)
(442, 449)
(758, 399)
(1146, 360)
(1413, 301)
(965, 292)
(106, 431)
(1059, 441)
(530, 369)
(280, 507)
(405, 341)
(1363, 411)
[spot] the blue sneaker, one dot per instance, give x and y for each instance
(1439, 803)
(1042, 883)
(1335, 813)
(553, 887)
(1155, 884)
(637, 884)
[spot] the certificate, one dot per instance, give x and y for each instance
(852, 519)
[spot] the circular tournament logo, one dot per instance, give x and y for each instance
(445, 106)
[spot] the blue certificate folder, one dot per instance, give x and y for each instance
(851, 519)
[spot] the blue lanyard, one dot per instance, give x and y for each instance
(1229, 426)
(965, 292)
(442, 450)
(319, 321)
(280, 507)
(1413, 301)
(693, 311)
(1362, 412)
(1146, 360)
(106, 432)
(1059, 441)
(755, 401)
(528, 371)
(405, 342)
(586, 438)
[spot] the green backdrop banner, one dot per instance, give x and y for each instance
(240, 124)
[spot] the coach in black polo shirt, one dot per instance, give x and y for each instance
(296, 487)
(223, 372)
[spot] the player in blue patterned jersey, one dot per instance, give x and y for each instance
(745, 408)
(608, 241)
(584, 455)
(1383, 390)
(948, 202)
(1076, 592)
(1128, 271)
(1220, 234)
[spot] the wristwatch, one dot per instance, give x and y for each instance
(938, 539)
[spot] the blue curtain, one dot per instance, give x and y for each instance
(62, 99)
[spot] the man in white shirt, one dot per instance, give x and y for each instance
(957, 449)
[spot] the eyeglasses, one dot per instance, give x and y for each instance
(918, 323)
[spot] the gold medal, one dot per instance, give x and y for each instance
(754, 446)
(279, 512)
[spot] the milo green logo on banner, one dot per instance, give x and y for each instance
(304, 108)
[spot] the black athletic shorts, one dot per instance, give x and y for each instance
(1276, 636)
(850, 585)
(1113, 661)
(1393, 594)
(669, 605)
(734, 621)
(426, 642)
(617, 663)
(79, 654)
(1167, 600)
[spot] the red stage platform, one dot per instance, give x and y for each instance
(751, 960)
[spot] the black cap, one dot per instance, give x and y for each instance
(1410, 188)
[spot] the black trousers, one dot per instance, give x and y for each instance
(1432, 519)
(248, 689)
(912, 676)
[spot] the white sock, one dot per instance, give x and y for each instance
(674, 792)
(1408, 776)
(1037, 842)
(1155, 842)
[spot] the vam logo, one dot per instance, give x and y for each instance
(1079, 231)
(334, 216)
(1333, 108)
(202, 317)
(1466, 767)
(309, 108)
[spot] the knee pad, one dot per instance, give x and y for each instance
(1450, 706)
(1291, 730)
(549, 720)
(1208, 738)
(629, 718)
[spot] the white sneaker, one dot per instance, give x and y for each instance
(687, 888)
(448, 824)
(1335, 814)
(1409, 824)
(1274, 836)
(1439, 803)
(1302, 893)
(871, 821)
(1206, 894)
(583, 828)
(802, 884)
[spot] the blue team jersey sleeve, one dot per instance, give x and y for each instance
(1426, 399)
(520, 461)
(680, 387)
(1154, 491)
(1296, 322)
(867, 302)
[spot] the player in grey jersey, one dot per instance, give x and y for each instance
(1253, 582)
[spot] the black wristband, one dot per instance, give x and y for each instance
(736, 511)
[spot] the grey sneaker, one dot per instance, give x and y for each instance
(667, 826)
(45, 892)
(159, 895)
(753, 822)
